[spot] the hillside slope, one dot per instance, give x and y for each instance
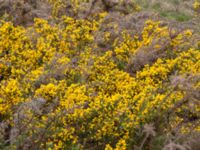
(99, 75)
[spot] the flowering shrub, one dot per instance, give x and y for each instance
(197, 6)
(58, 91)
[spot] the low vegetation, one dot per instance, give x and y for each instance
(78, 74)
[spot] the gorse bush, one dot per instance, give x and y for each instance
(85, 8)
(60, 90)
(197, 5)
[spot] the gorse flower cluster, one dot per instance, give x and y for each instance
(197, 6)
(59, 91)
